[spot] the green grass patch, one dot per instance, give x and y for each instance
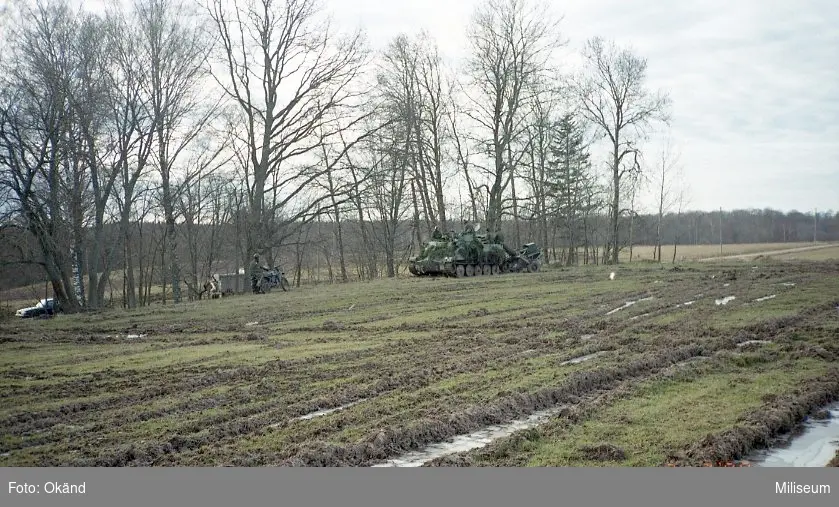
(664, 416)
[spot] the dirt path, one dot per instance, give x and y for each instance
(769, 252)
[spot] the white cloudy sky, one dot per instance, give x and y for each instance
(754, 83)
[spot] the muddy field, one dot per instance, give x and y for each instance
(693, 365)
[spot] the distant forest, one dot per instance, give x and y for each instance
(311, 253)
(157, 143)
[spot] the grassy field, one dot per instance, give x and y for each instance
(416, 361)
(12, 299)
(807, 251)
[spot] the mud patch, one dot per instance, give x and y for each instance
(725, 300)
(602, 452)
(332, 325)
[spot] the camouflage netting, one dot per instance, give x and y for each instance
(470, 249)
(436, 251)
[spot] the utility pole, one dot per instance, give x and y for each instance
(815, 218)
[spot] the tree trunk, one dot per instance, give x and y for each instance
(616, 180)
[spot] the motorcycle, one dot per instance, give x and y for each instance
(529, 259)
(273, 278)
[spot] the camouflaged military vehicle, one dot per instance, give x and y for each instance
(472, 254)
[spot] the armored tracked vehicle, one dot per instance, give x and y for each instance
(472, 254)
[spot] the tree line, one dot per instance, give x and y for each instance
(168, 140)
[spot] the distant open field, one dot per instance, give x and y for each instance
(11, 299)
(803, 250)
(645, 369)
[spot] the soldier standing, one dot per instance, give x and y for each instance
(255, 272)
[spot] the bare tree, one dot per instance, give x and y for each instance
(613, 97)
(665, 175)
(462, 156)
(682, 200)
(512, 43)
(288, 74)
(175, 50)
(37, 162)
(432, 128)
(131, 133)
(89, 95)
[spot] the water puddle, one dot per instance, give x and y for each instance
(135, 336)
(627, 305)
(527, 353)
(686, 303)
(814, 446)
(251, 324)
(319, 413)
(327, 411)
(753, 342)
(765, 298)
(581, 359)
(788, 284)
(462, 443)
(639, 316)
(725, 300)
(726, 284)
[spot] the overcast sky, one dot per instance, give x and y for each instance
(754, 83)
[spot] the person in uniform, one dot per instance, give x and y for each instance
(255, 272)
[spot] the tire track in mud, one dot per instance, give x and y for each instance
(532, 322)
(391, 441)
(391, 376)
(505, 451)
(339, 456)
(257, 421)
(201, 377)
(596, 346)
(759, 428)
(223, 451)
(129, 378)
(190, 406)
